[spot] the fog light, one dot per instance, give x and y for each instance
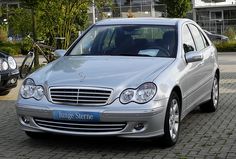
(13, 81)
(25, 119)
(139, 126)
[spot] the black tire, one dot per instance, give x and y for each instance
(170, 139)
(212, 104)
(4, 92)
(26, 65)
(34, 135)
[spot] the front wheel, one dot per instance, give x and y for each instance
(172, 121)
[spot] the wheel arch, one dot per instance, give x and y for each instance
(217, 73)
(178, 91)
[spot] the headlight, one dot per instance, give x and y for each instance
(11, 62)
(144, 93)
(127, 95)
(30, 90)
(4, 66)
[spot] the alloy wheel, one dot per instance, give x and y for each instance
(215, 92)
(174, 119)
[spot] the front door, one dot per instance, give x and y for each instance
(205, 67)
(193, 73)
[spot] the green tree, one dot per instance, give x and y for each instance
(231, 33)
(65, 18)
(33, 6)
(20, 21)
(56, 18)
(101, 5)
(177, 8)
(62, 19)
(3, 33)
(115, 9)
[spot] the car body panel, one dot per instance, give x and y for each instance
(216, 37)
(139, 21)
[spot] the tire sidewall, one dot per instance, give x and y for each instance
(28, 55)
(167, 135)
(212, 98)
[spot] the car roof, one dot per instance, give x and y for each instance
(148, 21)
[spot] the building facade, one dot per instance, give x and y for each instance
(9, 3)
(215, 16)
(132, 8)
(6, 5)
(138, 8)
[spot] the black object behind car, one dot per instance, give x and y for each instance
(8, 73)
(216, 37)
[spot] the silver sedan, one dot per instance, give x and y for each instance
(135, 78)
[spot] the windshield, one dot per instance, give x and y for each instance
(128, 40)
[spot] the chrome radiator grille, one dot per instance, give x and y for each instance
(79, 96)
(78, 126)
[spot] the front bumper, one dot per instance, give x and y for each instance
(8, 79)
(151, 118)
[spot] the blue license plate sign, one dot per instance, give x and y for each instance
(76, 116)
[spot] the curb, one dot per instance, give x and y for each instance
(227, 53)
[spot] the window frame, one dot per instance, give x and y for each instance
(206, 42)
(73, 45)
(195, 47)
(194, 38)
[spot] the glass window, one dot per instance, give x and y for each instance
(202, 15)
(229, 14)
(128, 40)
(216, 15)
(206, 44)
(197, 37)
(109, 39)
(188, 43)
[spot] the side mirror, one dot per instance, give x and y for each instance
(59, 52)
(193, 56)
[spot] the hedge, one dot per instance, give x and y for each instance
(229, 46)
(11, 48)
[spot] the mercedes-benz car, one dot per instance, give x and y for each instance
(216, 37)
(135, 78)
(8, 73)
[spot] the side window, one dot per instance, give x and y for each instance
(204, 40)
(197, 37)
(188, 43)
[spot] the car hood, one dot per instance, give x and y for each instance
(2, 55)
(101, 71)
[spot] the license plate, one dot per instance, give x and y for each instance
(76, 116)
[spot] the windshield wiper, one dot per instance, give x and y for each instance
(86, 55)
(92, 54)
(133, 55)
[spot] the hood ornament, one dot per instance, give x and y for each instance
(81, 76)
